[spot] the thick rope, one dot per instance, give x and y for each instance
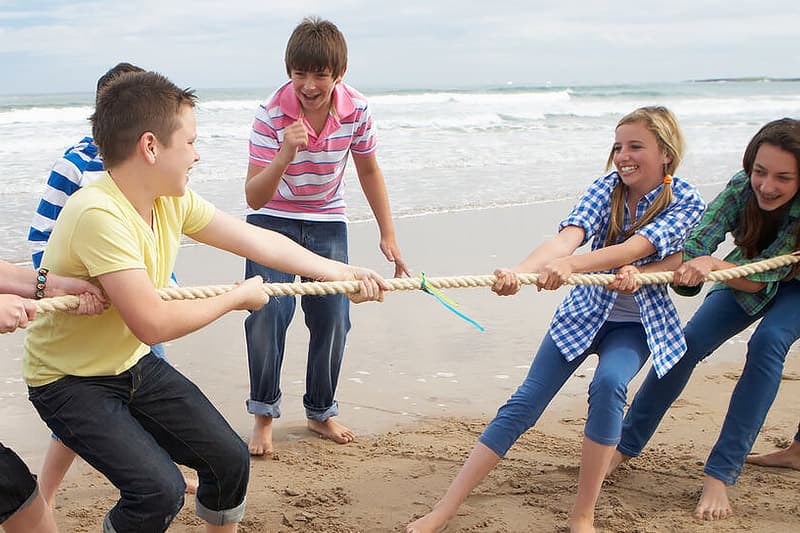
(66, 303)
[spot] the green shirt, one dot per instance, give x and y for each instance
(722, 217)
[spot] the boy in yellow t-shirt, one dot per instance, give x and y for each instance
(93, 379)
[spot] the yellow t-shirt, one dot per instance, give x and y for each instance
(99, 232)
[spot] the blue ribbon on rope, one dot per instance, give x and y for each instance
(445, 301)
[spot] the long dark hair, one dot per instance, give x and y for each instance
(754, 223)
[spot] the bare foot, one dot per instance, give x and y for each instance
(433, 522)
(191, 484)
(788, 458)
(617, 459)
(261, 440)
(582, 524)
(332, 430)
(713, 504)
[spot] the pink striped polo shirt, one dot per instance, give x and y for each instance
(312, 188)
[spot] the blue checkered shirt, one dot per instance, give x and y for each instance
(581, 315)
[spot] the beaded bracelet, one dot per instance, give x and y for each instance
(41, 281)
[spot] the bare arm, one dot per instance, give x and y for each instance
(634, 248)
(625, 281)
(262, 182)
(276, 251)
(562, 245)
(693, 272)
(22, 282)
(266, 247)
(374, 187)
(153, 320)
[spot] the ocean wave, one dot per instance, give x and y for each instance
(45, 114)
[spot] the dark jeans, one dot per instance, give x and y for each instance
(718, 319)
(134, 427)
(17, 485)
(327, 318)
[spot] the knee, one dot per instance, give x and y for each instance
(153, 509)
(769, 346)
(232, 467)
(609, 389)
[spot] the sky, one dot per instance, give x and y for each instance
(56, 46)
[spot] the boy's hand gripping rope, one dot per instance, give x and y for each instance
(67, 303)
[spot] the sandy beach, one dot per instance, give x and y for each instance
(418, 385)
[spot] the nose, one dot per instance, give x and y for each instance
(309, 83)
(767, 186)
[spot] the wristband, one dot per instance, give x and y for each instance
(41, 282)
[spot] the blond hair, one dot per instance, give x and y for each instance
(663, 124)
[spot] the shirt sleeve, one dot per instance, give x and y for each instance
(264, 143)
(364, 139)
(592, 209)
(197, 212)
(107, 244)
(65, 178)
(720, 218)
(669, 230)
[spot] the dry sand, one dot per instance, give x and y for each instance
(418, 385)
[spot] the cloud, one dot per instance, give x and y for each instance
(67, 45)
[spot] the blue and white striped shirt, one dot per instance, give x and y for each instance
(80, 165)
(581, 315)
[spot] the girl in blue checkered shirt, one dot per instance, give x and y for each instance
(638, 215)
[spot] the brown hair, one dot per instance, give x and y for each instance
(754, 224)
(132, 104)
(663, 124)
(113, 73)
(316, 45)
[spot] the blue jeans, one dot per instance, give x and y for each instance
(718, 319)
(134, 427)
(622, 351)
(327, 318)
(158, 351)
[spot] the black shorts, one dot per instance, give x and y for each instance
(17, 485)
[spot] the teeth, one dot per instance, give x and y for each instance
(628, 168)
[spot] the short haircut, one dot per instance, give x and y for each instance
(132, 104)
(114, 72)
(316, 45)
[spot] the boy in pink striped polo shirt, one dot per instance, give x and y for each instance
(298, 152)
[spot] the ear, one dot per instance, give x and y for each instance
(341, 76)
(147, 146)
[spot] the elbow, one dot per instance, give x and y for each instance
(252, 199)
(149, 332)
(149, 338)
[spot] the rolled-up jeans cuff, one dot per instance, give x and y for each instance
(26, 503)
(627, 452)
(223, 517)
(264, 409)
(601, 439)
(728, 479)
(321, 415)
